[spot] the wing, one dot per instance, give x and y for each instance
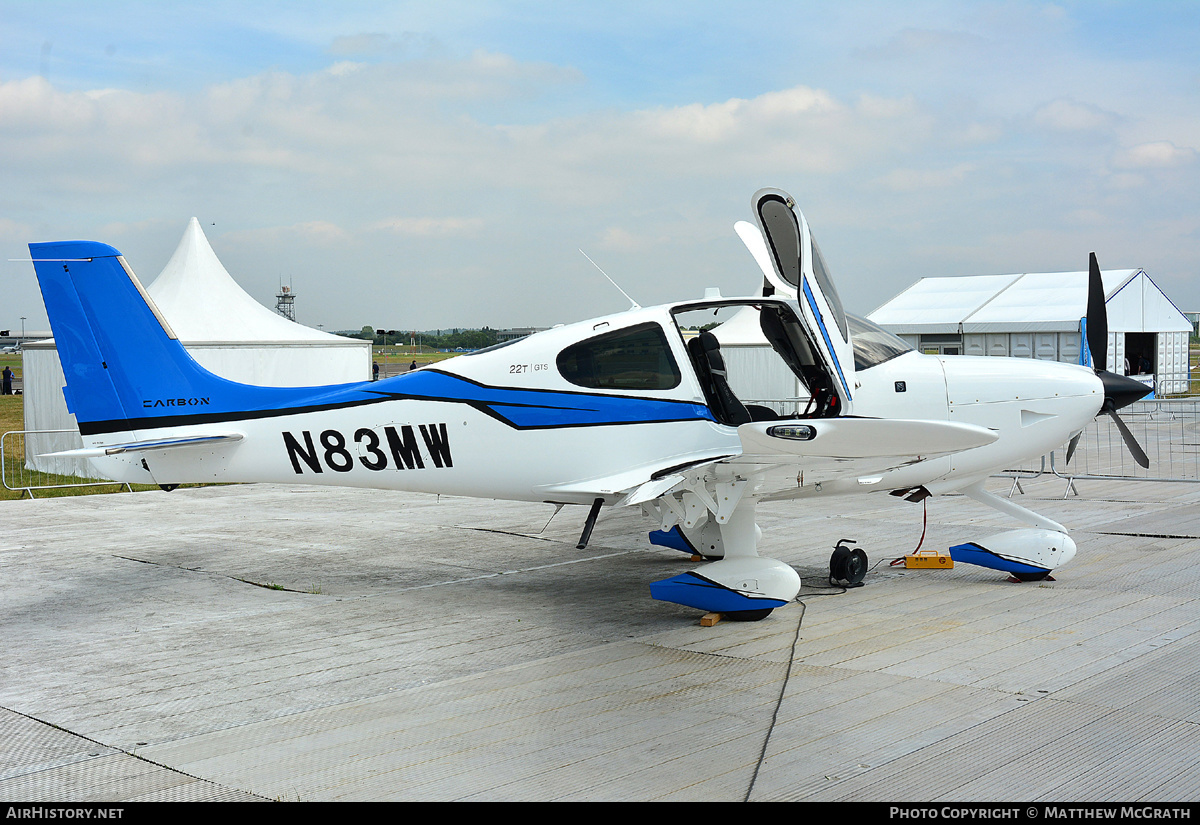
(781, 455)
(775, 452)
(850, 442)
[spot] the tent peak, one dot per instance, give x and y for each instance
(203, 302)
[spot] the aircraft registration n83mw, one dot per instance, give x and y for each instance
(632, 409)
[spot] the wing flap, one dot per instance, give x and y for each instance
(627, 487)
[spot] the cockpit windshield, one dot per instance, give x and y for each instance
(873, 344)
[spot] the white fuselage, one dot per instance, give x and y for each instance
(1035, 406)
(468, 447)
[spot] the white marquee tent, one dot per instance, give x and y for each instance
(1037, 315)
(222, 327)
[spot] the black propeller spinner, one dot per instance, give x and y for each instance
(1119, 390)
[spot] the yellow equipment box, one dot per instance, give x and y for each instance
(928, 559)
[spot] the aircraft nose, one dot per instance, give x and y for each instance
(1120, 390)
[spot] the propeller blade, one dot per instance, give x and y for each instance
(1097, 317)
(1135, 449)
(1074, 443)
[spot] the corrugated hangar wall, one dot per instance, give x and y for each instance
(1038, 315)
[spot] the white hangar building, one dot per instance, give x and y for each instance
(221, 326)
(1039, 315)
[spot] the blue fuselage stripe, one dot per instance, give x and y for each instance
(520, 409)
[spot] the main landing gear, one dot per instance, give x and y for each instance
(742, 586)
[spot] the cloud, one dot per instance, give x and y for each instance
(735, 118)
(378, 44)
(925, 44)
(779, 133)
(361, 44)
(318, 233)
(355, 166)
(15, 232)
(1159, 154)
(618, 238)
(1126, 181)
(1065, 115)
(908, 180)
(429, 227)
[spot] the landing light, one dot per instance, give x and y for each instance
(794, 432)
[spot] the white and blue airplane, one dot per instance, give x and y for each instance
(630, 409)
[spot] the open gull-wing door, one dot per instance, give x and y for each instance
(798, 271)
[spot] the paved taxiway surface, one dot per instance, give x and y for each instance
(311, 644)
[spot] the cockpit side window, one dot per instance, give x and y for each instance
(634, 358)
(873, 344)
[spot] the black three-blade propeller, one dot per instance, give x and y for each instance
(1119, 390)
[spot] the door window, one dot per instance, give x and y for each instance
(634, 358)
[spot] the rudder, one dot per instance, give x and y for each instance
(116, 349)
(125, 367)
(127, 371)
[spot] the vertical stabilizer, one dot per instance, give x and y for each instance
(83, 282)
(125, 367)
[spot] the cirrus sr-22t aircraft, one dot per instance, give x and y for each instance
(630, 409)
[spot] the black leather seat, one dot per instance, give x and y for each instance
(705, 351)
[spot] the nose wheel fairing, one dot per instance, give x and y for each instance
(1029, 555)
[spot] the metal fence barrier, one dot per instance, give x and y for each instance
(1168, 429)
(17, 471)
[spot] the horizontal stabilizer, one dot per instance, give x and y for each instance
(147, 446)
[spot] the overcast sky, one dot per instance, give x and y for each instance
(423, 165)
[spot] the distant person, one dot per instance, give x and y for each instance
(413, 365)
(1144, 365)
(374, 370)
(8, 377)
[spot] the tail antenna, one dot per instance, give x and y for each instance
(633, 304)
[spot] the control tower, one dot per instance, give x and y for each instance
(285, 302)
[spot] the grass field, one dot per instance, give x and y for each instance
(12, 419)
(11, 360)
(406, 355)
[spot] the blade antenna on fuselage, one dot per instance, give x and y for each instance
(634, 304)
